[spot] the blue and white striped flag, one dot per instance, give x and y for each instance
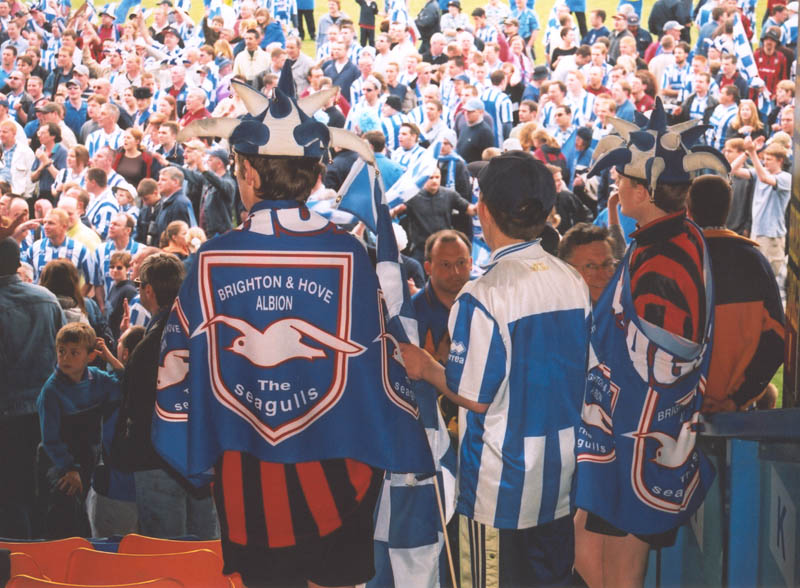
(413, 179)
(362, 195)
(744, 51)
(409, 535)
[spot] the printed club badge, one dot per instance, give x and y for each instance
(278, 327)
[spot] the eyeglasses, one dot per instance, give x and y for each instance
(118, 267)
(369, 89)
(606, 266)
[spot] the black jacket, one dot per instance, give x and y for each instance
(131, 448)
(215, 206)
(428, 23)
(664, 11)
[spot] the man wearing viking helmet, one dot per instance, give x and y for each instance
(288, 397)
(639, 474)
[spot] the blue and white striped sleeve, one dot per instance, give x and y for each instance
(476, 365)
(102, 219)
(86, 265)
(97, 274)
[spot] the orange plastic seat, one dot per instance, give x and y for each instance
(141, 544)
(50, 556)
(193, 568)
(29, 582)
(24, 564)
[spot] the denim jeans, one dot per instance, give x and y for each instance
(169, 508)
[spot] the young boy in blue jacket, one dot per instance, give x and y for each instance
(71, 406)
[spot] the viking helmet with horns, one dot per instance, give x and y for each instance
(280, 126)
(655, 153)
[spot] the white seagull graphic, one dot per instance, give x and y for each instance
(174, 368)
(280, 341)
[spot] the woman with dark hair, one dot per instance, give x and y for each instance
(132, 162)
(61, 277)
(51, 157)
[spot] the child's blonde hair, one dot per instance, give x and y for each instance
(79, 333)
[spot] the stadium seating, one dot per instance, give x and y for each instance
(193, 568)
(24, 581)
(140, 544)
(50, 556)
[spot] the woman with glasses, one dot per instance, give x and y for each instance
(122, 289)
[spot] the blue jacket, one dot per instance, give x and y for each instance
(216, 199)
(60, 397)
(175, 207)
(30, 317)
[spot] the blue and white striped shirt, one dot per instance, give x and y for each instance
(720, 121)
(497, 104)
(698, 107)
(43, 251)
(674, 78)
(516, 460)
(407, 158)
(487, 34)
(100, 212)
(138, 313)
(391, 129)
(99, 139)
(582, 107)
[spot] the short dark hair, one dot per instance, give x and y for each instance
(445, 236)
(581, 234)
(282, 178)
(164, 272)
(131, 338)
(377, 140)
(497, 77)
(411, 127)
(146, 186)
(54, 131)
(98, 176)
(731, 91)
(710, 200)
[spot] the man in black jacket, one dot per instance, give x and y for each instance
(165, 504)
(429, 211)
(428, 23)
(664, 11)
(217, 191)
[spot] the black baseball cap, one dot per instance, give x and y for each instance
(520, 185)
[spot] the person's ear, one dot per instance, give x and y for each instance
(251, 176)
(427, 266)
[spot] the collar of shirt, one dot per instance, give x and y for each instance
(514, 250)
(661, 229)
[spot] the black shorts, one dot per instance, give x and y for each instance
(343, 558)
(657, 540)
